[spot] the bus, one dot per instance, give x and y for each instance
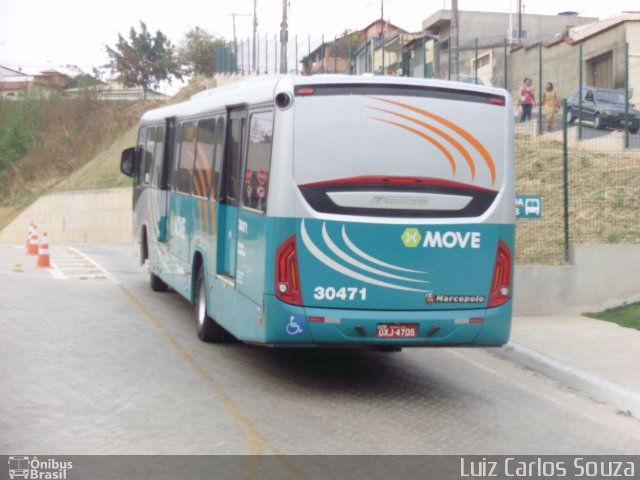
(332, 211)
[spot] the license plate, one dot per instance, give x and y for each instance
(397, 330)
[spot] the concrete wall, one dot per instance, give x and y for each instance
(599, 276)
(87, 216)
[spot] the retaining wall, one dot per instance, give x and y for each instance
(101, 216)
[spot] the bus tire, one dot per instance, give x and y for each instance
(208, 329)
(157, 284)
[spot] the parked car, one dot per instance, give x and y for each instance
(602, 107)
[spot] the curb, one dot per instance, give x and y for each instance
(599, 389)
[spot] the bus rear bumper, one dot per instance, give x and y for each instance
(290, 325)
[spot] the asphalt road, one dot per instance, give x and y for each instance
(97, 363)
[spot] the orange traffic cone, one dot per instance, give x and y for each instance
(43, 252)
(32, 249)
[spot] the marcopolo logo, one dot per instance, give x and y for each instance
(36, 469)
(412, 238)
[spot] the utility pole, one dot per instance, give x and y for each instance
(519, 22)
(255, 32)
(234, 15)
(284, 35)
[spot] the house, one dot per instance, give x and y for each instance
(354, 52)
(597, 49)
(13, 83)
(381, 49)
(52, 80)
(485, 38)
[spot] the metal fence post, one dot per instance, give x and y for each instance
(506, 60)
(475, 62)
(350, 46)
(449, 59)
(309, 55)
(424, 57)
(565, 181)
(580, 92)
(540, 124)
(626, 95)
(322, 51)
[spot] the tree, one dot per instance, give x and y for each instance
(200, 51)
(144, 61)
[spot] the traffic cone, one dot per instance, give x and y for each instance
(43, 252)
(32, 249)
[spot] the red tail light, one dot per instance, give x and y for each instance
(287, 278)
(501, 283)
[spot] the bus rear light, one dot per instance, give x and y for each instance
(500, 290)
(287, 278)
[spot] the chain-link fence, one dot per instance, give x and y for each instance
(578, 170)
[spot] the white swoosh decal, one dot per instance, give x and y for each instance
(371, 259)
(334, 248)
(316, 252)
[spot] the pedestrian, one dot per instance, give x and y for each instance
(551, 105)
(526, 99)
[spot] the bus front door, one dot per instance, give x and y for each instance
(165, 179)
(228, 218)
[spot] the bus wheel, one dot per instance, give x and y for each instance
(157, 284)
(208, 328)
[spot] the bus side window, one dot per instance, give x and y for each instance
(147, 161)
(218, 155)
(185, 150)
(256, 175)
(236, 136)
(156, 177)
(204, 157)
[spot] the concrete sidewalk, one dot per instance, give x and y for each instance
(596, 357)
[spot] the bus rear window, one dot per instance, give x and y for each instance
(400, 153)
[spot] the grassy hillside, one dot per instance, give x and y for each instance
(44, 143)
(59, 144)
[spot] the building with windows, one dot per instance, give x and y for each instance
(13, 83)
(485, 39)
(598, 50)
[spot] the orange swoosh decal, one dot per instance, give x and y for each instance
(444, 135)
(463, 133)
(432, 140)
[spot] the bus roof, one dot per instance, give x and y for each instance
(263, 88)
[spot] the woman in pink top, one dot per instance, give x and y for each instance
(526, 99)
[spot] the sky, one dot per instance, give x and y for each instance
(37, 35)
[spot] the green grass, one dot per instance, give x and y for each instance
(625, 316)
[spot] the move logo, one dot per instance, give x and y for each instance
(412, 238)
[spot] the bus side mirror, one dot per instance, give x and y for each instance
(128, 161)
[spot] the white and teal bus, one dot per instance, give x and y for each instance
(332, 211)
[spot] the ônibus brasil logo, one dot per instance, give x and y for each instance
(412, 238)
(33, 468)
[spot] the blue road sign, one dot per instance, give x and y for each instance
(528, 206)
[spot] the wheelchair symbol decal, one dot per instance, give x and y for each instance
(295, 325)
